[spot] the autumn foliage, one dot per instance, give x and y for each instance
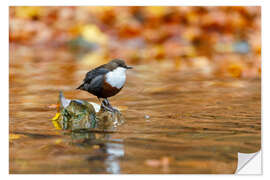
(224, 41)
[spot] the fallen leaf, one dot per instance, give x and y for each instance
(56, 116)
(14, 136)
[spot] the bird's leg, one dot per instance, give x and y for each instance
(105, 106)
(107, 102)
(110, 106)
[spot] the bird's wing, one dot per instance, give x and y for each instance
(92, 74)
(95, 85)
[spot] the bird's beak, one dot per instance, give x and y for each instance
(129, 67)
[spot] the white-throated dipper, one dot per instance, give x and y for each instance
(106, 81)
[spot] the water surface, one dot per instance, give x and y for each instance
(175, 121)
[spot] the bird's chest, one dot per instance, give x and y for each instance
(116, 78)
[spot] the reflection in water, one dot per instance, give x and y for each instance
(108, 152)
(115, 151)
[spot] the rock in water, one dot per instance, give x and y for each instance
(82, 115)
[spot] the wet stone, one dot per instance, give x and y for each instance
(78, 115)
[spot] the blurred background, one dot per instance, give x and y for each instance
(222, 41)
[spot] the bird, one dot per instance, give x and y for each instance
(106, 81)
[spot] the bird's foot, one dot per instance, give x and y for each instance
(115, 110)
(108, 107)
(111, 109)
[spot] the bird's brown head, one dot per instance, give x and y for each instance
(118, 63)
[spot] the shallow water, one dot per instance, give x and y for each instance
(175, 122)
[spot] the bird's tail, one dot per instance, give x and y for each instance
(80, 87)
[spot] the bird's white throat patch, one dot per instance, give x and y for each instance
(117, 77)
